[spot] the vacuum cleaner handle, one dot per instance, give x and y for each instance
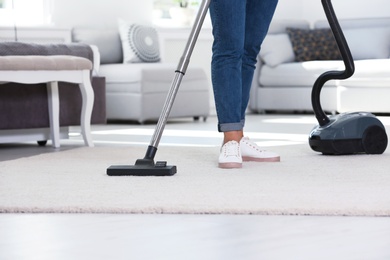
(347, 58)
(179, 73)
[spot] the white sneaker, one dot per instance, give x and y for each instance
(230, 156)
(252, 152)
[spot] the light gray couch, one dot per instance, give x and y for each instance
(136, 91)
(282, 84)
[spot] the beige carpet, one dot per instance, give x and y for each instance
(303, 183)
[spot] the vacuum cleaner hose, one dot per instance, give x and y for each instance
(329, 75)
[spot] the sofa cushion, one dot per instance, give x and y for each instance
(279, 26)
(148, 77)
(369, 73)
(317, 44)
(375, 72)
(107, 41)
(296, 74)
(367, 38)
(277, 49)
(368, 43)
(139, 42)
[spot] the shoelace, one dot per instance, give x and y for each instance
(252, 145)
(231, 149)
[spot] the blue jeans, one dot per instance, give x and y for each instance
(239, 28)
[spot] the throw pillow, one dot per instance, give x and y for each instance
(107, 40)
(317, 44)
(276, 49)
(139, 42)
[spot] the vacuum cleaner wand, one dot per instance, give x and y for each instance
(146, 166)
(329, 75)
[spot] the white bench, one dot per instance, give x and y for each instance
(52, 69)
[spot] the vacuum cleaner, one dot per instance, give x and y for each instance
(346, 133)
(146, 166)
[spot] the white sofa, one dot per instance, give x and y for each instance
(283, 84)
(136, 91)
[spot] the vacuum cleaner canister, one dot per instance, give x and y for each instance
(350, 133)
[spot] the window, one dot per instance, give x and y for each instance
(24, 12)
(163, 15)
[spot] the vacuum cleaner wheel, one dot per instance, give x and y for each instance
(374, 140)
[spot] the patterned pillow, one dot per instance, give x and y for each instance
(317, 44)
(139, 42)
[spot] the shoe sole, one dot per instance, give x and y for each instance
(230, 165)
(255, 159)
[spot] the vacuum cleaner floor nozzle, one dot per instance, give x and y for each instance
(146, 166)
(142, 167)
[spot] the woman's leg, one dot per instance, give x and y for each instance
(259, 14)
(228, 19)
(233, 63)
(239, 28)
